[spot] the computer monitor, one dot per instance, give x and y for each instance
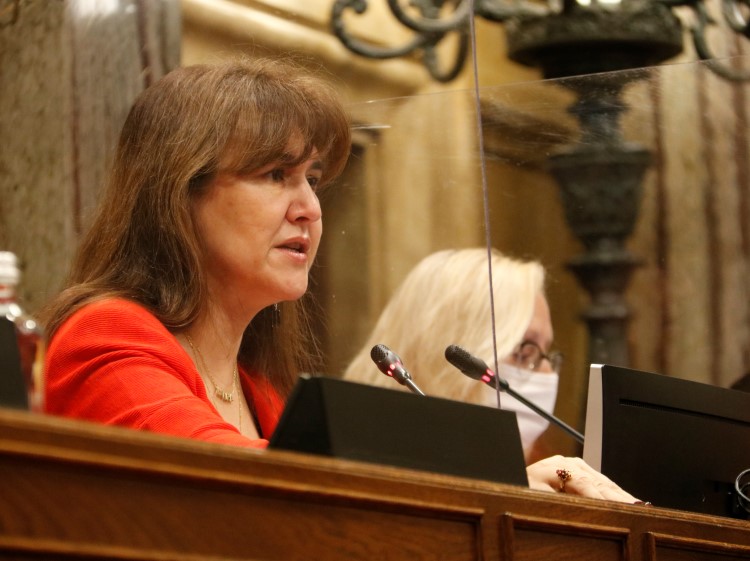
(12, 385)
(676, 443)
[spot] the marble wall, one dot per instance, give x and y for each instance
(69, 71)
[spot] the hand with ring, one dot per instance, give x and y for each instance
(575, 477)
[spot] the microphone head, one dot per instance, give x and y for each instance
(470, 365)
(389, 363)
(379, 354)
(474, 367)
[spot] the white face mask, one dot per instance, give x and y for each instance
(539, 388)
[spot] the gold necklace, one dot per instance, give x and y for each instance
(222, 394)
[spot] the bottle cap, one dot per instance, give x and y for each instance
(9, 273)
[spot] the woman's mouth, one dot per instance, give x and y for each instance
(297, 246)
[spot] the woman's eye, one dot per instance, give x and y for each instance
(523, 360)
(276, 174)
(526, 354)
(313, 181)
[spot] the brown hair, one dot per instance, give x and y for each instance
(191, 124)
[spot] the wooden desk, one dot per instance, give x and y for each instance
(72, 490)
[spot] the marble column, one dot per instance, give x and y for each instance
(69, 70)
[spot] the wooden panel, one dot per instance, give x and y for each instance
(150, 513)
(670, 548)
(542, 538)
(72, 490)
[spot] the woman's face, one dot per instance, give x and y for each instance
(260, 233)
(539, 332)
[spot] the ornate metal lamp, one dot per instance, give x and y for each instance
(553, 30)
(600, 175)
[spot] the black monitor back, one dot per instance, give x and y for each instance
(676, 443)
(342, 419)
(12, 385)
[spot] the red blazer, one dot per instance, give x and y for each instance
(113, 362)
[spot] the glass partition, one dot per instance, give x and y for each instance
(630, 187)
(412, 187)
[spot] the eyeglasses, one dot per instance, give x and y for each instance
(529, 355)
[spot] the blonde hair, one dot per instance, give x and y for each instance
(443, 301)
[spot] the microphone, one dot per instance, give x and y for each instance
(476, 369)
(389, 364)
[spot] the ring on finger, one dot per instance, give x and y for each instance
(564, 476)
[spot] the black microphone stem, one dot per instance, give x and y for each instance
(476, 369)
(409, 383)
(539, 411)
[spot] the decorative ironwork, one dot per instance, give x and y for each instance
(438, 19)
(600, 180)
(600, 176)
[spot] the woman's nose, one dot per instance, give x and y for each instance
(545, 367)
(305, 206)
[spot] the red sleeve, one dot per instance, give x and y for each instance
(113, 362)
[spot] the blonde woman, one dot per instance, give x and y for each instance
(443, 301)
